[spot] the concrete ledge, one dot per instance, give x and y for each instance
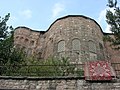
(42, 78)
(55, 83)
(11, 89)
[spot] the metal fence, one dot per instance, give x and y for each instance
(48, 70)
(42, 70)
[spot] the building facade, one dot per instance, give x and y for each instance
(75, 36)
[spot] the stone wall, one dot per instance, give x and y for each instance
(59, 83)
(72, 28)
(77, 37)
(29, 40)
(69, 29)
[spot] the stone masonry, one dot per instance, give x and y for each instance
(64, 83)
(75, 36)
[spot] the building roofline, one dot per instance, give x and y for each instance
(74, 16)
(30, 29)
(61, 19)
(108, 33)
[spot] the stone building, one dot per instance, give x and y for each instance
(75, 36)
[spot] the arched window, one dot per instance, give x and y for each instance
(92, 46)
(26, 40)
(61, 46)
(21, 39)
(32, 43)
(101, 54)
(76, 44)
(92, 50)
(76, 51)
(101, 46)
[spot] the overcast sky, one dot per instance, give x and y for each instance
(40, 14)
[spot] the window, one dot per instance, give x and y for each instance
(76, 51)
(61, 46)
(101, 46)
(39, 55)
(76, 44)
(17, 37)
(26, 40)
(32, 43)
(92, 46)
(92, 50)
(21, 39)
(101, 54)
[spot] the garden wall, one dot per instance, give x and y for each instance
(55, 83)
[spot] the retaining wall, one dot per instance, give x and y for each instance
(55, 83)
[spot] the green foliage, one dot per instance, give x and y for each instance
(9, 56)
(5, 40)
(7, 51)
(14, 62)
(113, 19)
(4, 27)
(111, 3)
(50, 67)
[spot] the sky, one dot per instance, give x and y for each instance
(40, 14)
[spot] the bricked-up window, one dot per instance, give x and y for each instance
(92, 46)
(101, 51)
(21, 39)
(92, 50)
(61, 46)
(101, 46)
(76, 44)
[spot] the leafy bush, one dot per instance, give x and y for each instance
(45, 68)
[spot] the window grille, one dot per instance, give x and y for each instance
(61, 46)
(76, 44)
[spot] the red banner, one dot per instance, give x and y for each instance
(98, 70)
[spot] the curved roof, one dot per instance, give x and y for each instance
(75, 16)
(61, 19)
(30, 29)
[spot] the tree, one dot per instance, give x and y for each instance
(3, 38)
(7, 51)
(111, 3)
(113, 19)
(4, 27)
(9, 56)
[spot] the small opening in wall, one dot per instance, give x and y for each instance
(17, 37)
(92, 31)
(21, 37)
(26, 40)
(32, 42)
